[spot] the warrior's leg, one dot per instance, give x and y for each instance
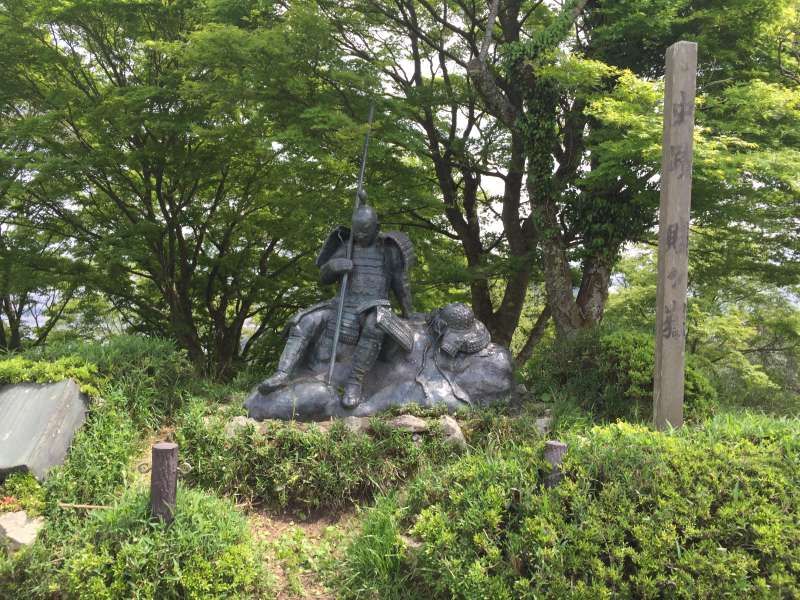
(300, 335)
(364, 357)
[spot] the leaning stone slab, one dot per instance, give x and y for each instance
(17, 530)
(37, 424)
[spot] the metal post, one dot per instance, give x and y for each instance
(164, 481)
(673, 234)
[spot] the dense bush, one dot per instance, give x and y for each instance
(283, 466)
(207, 552)
(610, 374)
(18, 369)
(150, 373)
(701, 513)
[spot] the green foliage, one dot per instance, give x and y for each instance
(21, 491)
(36, 281)
(282, 466)
(207, 552)
(743, 334)
(610, 374)
(298, 555)
(18, 369)
(168, 145)
(733, 36)
(708, 512)
(376, 561)
(98, 461)
(149, 374)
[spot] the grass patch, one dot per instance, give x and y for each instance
(207, 552)
(97, 466)
(284, 467)
(150, 374)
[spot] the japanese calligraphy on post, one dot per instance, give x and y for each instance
(673, 237)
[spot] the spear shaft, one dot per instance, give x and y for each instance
(349, 248)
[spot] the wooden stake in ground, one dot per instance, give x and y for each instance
(554, 452)
(673, 234)
(164, 481)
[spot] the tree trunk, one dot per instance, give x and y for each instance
(558, 285)
(185, 334)
(534, 336)
(14, 318)
(593, 292)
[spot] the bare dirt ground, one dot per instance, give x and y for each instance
(144, 462)
(297, 552)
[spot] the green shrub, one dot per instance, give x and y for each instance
(610, 374)
(207, 552)
(21, 491)
(151, 374)
(19, 369)
(705, 513)
(285, 467)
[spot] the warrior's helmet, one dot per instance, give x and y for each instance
(458, 329)
(365, 225)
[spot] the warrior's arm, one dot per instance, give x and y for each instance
(332, 270)
(400, 284)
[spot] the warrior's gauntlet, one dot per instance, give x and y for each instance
(333, 269)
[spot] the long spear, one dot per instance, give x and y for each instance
(349, 247)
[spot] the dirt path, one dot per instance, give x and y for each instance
(144, 462)
(298, 552)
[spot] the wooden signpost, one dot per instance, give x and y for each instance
(673, 234)
(164, 481)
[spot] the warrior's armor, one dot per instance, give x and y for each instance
(379, 263)
(377, 268)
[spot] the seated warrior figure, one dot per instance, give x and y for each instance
(380, 262)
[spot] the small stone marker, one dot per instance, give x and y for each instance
(356, 424)
(452, 431)
(409, 423)
(238, 423)
(544, 424)
(164, 481)
(554, 452)
(17, 530)
(673, 234)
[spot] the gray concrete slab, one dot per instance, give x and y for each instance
(37, 424)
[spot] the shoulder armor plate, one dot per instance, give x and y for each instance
(335, 238)
(403, 242)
